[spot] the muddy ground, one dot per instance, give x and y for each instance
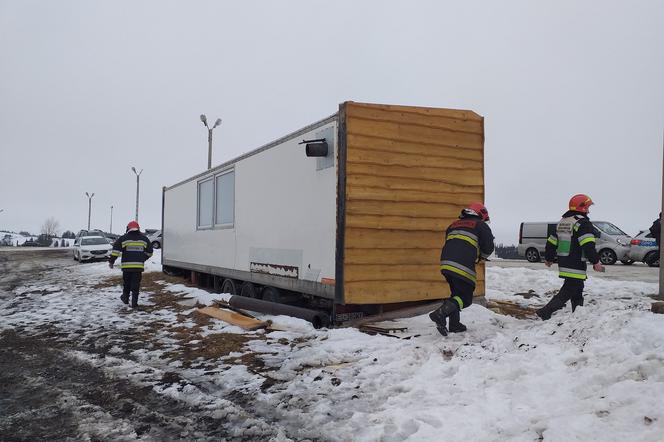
(46, 394)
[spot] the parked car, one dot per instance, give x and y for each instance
(6, 240)
(92, 232)
(112, 237)
(612, 243)
(643, 248)
(155, 239)
(91, 247)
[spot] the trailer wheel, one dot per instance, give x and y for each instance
(248, 290)
(229, 287)
(271, 294)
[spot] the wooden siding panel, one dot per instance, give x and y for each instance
(410, 209)
(451, 176)
(409, 172)
(459, 114)
(394, 272)
(401, 291)
(423, 149)
(417, 119)
(365, 156)
(392, 256)
(395, 195)
(399, 223)
(414, 134)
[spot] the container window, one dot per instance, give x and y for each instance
(225, 199)
(205, 203)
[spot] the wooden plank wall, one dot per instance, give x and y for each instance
(409, 172)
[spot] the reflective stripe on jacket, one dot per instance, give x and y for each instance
(573, 243)
(134, 248)
(466, 241)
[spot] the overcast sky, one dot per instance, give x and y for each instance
(572, 93)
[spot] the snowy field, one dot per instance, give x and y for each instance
(597, 374)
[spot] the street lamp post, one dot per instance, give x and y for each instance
(216, 123)
(661, 236)
(110, 228)
(89, 207)
(138, 177)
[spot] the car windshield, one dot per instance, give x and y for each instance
(609, 229)
(93, 241)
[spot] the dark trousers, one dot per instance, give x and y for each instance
(461, 288)
(132, 283)
(572, 289)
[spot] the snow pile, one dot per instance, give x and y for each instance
(597, 374)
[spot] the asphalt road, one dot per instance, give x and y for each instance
(634, 272)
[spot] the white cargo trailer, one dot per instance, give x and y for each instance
(346, 214)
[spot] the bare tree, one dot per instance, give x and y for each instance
(50, 227)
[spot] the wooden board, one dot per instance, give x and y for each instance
(408, 173)
(233, 318)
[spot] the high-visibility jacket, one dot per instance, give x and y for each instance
(135, 248)
(573, 242)
(467, 240)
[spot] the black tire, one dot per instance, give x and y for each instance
(607, 257)
(652, 259)
(271, 294)
(156, 245)
(248, 290)
(627, 262)
(229, 287)
(75, 259)
(533, 255)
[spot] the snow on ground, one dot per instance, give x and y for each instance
(597, 374)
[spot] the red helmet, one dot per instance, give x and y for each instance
(133, 225)
(580, 203)
(479, 210)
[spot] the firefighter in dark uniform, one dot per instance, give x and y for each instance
(467, 241)
(135, 248)
(656, 230)
(573, 243)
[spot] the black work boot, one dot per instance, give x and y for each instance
(576, 302)
(544, 313)
(134, 300)
(455, 323)
(440, 315)
(124, 298)
(556, 303)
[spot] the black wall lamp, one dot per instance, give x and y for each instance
(315, 148)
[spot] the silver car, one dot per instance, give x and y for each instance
(155, 239)
(643, 248)
(612, 243)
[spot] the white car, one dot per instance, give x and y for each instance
(643, 248)
(155, 239)
(91, 247)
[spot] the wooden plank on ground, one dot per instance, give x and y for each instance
(233, 318)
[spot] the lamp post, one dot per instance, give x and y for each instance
(89, 207)
(216, 123)
(110, 228)
(138, 177)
